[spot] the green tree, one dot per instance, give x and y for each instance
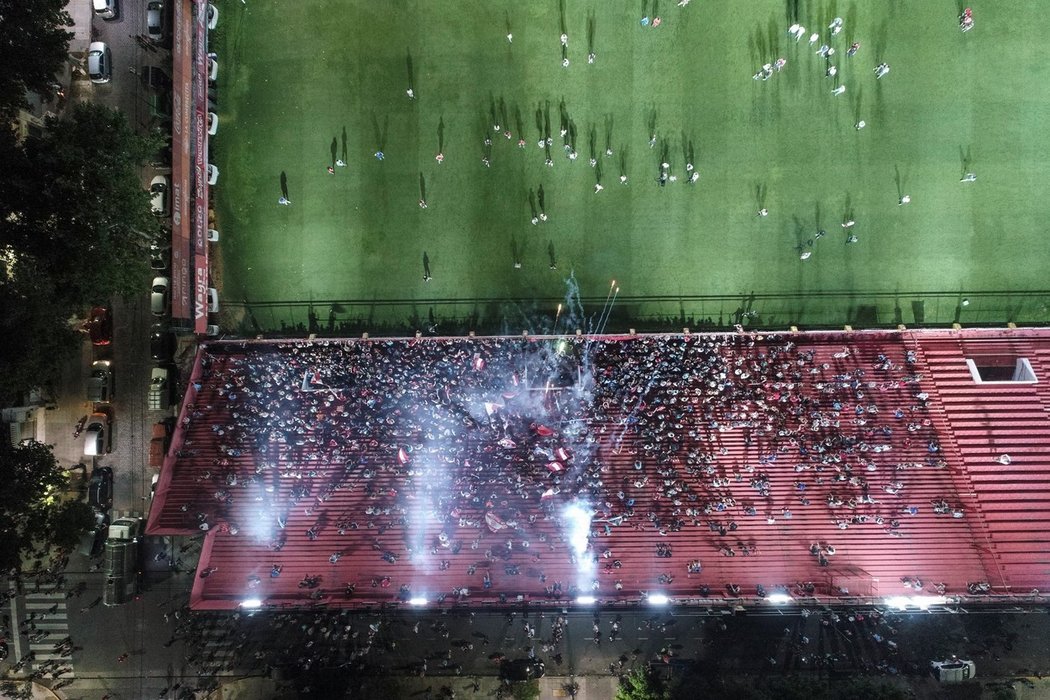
(69, 522)
(76, 209)
(641, 684)
(33, 48)
(75, 228)
(37, 342)
(32, 481)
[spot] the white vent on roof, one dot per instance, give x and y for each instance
(1001, 370)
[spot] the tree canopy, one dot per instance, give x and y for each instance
(34, 44)
(75, 227)
(32, 482)
(641, 684)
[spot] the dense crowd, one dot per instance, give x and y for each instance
(493, 439)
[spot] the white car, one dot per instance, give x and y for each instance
(155, 20)
(99, 62)
(213, 16)
(158, 299)
(213, 67)
(213, 174)
(96, 435)
(213, 123)
(213, 300)
(100, 382)
(159, 190)
(106, 9)
(954, 670)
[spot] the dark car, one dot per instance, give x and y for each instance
(100, 489)
(99, 326)
(161, 343)
(521, 670)
(93, 540)
(159, 256)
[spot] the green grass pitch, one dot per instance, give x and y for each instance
(294, 75)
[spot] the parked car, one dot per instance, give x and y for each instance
(96, 435)
(159, 256)
(106, 9)
(99, 326)
(213, 300)
(100, 489)
(161, 343)
(213, 16)
(213, 67)
(155, 20)
(159, 189)
(100, 382)
(158, 300)
(93, 540)
(213, 123)
(99, 62)
(158, 444)
(159, 396)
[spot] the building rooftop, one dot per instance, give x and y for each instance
(728, 467)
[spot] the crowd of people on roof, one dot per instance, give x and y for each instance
(492, 438)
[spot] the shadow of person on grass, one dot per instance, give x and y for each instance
(284, 185)
(379, 132)
(517, 252)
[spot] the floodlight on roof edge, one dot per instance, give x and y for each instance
(586, 600)
(779, 598)
(657, 599)
(251, 603)
(417, 601)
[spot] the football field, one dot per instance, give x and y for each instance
(782, 164)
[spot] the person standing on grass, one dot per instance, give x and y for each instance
(284, 201)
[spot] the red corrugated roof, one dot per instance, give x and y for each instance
(440, 463)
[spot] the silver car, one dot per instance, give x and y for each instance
(155, 20)
(159, 199)
(100, 382)
(99, 62)
(158, 298)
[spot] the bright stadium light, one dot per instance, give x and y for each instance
(251, 603)
(923, 602)
(779, 598)
(898, 601)
(658, 599)
(418, 601)
(586, 600)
